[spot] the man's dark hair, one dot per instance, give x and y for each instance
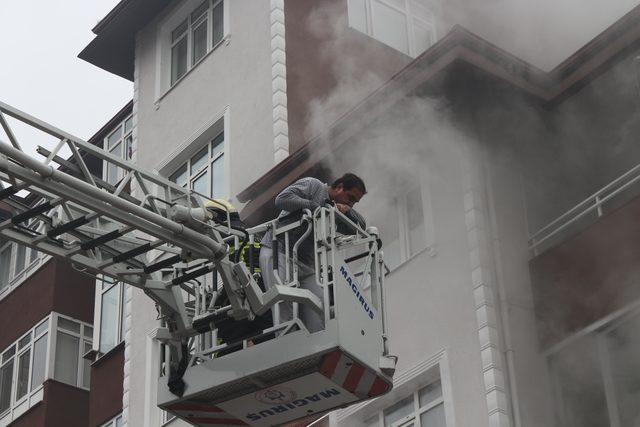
(349, 181)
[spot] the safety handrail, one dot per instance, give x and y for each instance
(595, 202)
(301, 224)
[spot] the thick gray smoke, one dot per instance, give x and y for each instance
(328, 24)
(542, 32)
(388, 152)
(562, 154)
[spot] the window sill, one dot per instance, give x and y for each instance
(31, 408)
(33, 399)
(107, 355)
(225, 40)
(76, 387)
(431, 250)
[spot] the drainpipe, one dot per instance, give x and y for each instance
(509, 352)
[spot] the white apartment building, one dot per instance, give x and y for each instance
(467, 151)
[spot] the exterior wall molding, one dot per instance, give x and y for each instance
(279, 82)
(170, 159)
(484, 291)
(128, 296)
(152, 413)
(126, 318)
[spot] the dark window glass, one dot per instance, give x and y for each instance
(23, 374)
(178, 60)
(39, 361)
(218, 23)
(6, 372)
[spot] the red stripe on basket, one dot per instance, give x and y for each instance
(216, 421)
(188, 406)
(378, 387)
(329, 363)
(353, 377)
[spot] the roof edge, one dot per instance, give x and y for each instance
(109, 17)
(549, 87)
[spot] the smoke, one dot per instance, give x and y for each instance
(328, 23)
(563, 153)
(542, 32)
(387, 152)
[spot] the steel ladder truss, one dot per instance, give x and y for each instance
(114, 230)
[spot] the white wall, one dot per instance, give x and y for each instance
(430, 298)
(529, 377)
(235, 77)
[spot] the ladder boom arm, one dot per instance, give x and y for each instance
(144, 230)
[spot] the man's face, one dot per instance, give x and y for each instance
(347, 197)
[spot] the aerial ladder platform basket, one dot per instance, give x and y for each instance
(234, 352)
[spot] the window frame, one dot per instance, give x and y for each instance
(414, 416)
(126, 152)
(427, 371)
(19, 359)
(82, 339)
(206, 168)
(101, 290)
(192, 25)
(3, 363)
(409, 16)
(113, 422)
(403, 230)
(20, 404)
(598, 331)
(7, 246)
(15, 276)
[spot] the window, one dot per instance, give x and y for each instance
(119, 143)
(199, 33)
(33, 255)
(6, 379)
(111, 318)
(39, 356)
(22, 367)
(72, 339)
(5, 266)
(595, 376)
(13, 262)
(403, 228)
(115, 422)
(204, 171)
(406, 25)
(21, 254)
(423, 408)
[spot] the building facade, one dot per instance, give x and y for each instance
(504, 193)
(47, 339)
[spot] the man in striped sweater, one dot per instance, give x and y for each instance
(309, 193)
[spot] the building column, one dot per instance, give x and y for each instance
(484, 291)
(279, 83)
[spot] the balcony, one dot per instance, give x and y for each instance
(585, 264)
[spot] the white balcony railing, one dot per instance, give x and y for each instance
(593, 204)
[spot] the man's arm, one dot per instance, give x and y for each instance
(355, 216)
(299, 195)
